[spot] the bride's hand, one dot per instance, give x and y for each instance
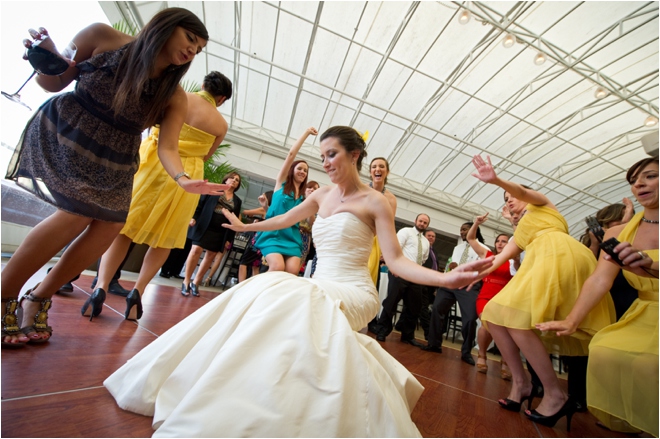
(485, 171)
(235, 224)
(467, 274)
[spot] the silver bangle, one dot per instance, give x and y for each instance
(181, 174)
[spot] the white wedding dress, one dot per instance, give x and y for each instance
(278, 356)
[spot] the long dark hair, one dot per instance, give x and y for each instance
(137, 62)
(290, 184)
(480, 237)
(350, 139)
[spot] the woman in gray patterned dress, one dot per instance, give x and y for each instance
(80, 150)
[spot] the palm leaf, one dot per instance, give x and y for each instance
(215, 169)
(125, 27)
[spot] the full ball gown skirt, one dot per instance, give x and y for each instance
(278, 356)
(160, 209)
(622, 376)
(548, 283)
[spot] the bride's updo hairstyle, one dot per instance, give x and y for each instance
(350, 139)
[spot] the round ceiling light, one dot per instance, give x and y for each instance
(508, 41)
(464, 16)
(539, 59)
(651, 121)
(600, 93)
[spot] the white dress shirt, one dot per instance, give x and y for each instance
(409, 242)
(471, 256)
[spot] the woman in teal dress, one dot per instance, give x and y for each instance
(283, 248)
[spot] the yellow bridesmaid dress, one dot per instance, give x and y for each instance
(160, 209)
(374, 261)
(622, 376)
(548, 283)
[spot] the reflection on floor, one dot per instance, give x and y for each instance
(55, 389)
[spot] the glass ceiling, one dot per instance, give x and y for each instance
(561, 110)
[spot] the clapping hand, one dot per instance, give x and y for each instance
(485, 171)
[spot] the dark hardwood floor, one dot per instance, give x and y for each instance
(55, 389)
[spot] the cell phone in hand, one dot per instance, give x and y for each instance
(608, 247)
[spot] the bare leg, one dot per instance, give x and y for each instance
(532, 347)
(242, 273)
(255, 271)
(111, 260)
(275, 262)
(153, 260)
(214, 266)
(191, 263)
(292, 265)
(483, 340)
(82, 252)
(521, 384)
(206, 263)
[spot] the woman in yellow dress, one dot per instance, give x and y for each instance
(160, 211)
(545, 288)
(379, 169)
(622, 376)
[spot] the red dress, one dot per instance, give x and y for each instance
(493, 284)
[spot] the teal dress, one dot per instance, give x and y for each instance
(286, 242)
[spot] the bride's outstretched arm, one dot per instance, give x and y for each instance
(307, 208)
(401, 266)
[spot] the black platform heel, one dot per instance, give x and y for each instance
(133, 305)
(194, 289)
(96, 301)
(184, 290)
(568, 409)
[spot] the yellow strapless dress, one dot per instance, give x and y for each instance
(374, 261)
(548, 283)
(160, 210)
(622, 376)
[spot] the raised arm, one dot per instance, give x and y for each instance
(93, 39)
(291, 156)
(471, 237)
(486, 173)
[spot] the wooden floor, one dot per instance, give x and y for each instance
(55, 389)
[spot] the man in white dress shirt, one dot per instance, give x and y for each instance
(467, 302)
(416, 248)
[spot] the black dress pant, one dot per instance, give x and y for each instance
(428, 296)
(398, 289)
(176, 259)
(467, 302)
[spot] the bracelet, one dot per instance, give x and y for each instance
(179, 175)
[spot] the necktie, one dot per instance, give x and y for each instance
(464, 256)
(419, 249)
(435, 263)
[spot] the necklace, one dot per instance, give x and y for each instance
(650, 221)
(371, 185)
(350, 196)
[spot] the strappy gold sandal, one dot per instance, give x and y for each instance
(10, 325)
(40, 318)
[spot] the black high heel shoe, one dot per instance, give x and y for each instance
(96, 301)
(568, 409)
(133, 305)
(184, 290)
(194, 289)
(514, 406)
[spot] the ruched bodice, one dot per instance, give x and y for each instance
(278, 356)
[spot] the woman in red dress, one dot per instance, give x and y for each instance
(492, 284)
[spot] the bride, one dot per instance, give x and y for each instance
(280, 355)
